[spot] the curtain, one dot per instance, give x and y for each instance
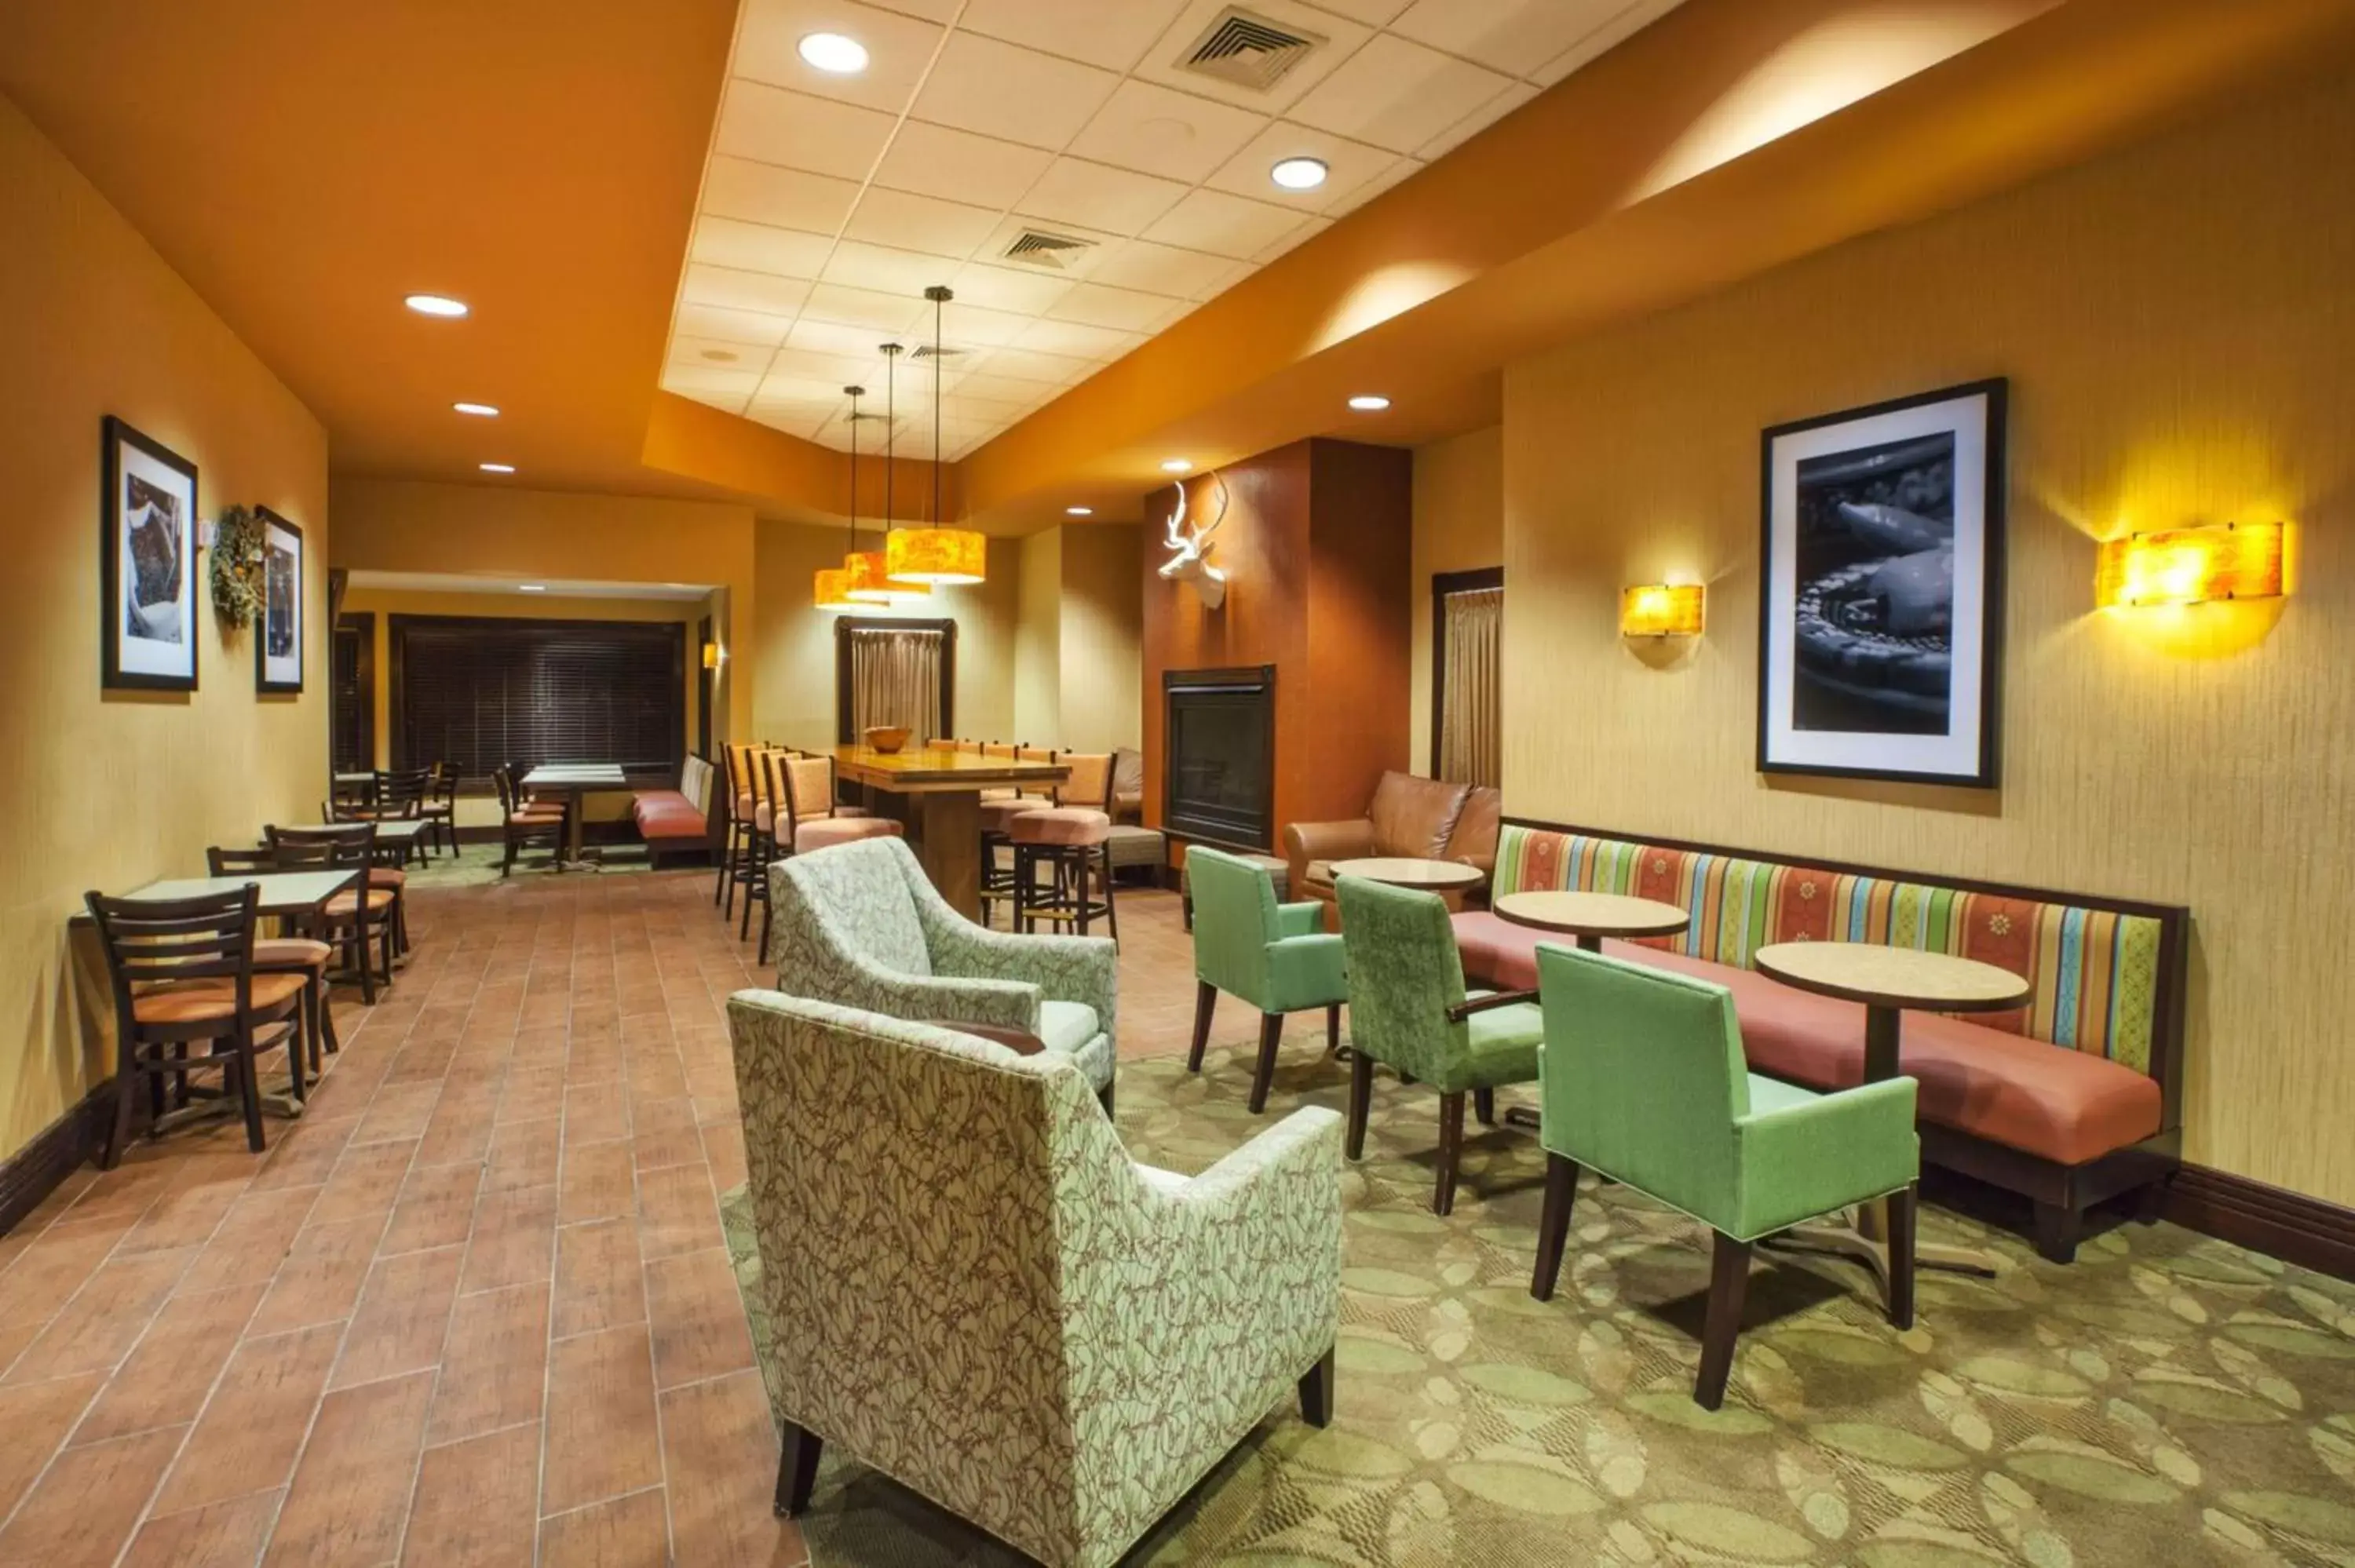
(895, 678)
(1473, 630)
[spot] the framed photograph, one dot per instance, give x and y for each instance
(147, 621)
(278, 631)
(1881, 591)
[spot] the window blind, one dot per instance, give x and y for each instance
(476, 693)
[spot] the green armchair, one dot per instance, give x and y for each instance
(1645, 1082)
(1408, 1010)
(972, 1290)
(862, 926)
(1277, 957)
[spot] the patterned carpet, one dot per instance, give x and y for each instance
(2167, 1400)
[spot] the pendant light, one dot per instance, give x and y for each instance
(870, 582)
(937, 555)
(831, 587)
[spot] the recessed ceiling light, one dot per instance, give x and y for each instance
(1176, 465)
(480, 410)
(1369, 403)
(497, 468)
(436, 305)
(1079, 511)
(531, 587)
(834, 54)
(1300, 173)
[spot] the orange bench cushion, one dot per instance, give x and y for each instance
(667, 814)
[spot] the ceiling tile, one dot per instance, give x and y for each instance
(1352, 165)
(757, 248)
(1630, 21)
(717, 354)
(1094, 305)
(978, 326)
(801, 132)
(1166, 269)
(1159, 131)
(1511, 36)
(1075, 341)
(783, 199)
(1372, 13)
(1479, 120)
(1107, 33)
(1073, 190)
(898, 49)
(1342, 38)
(801, 419)
(1000, 89)
(923, 223)
(726, 402)
(882, 312)
(822, 392)
(1294, 241)
(724, 326)
(1226, 225)
(941, 11)
(1398, 94)
(885, 270)
(712, 378)
(1076, 264)
(743, 291)
(1005, 389)
(842, 369)
(1017, 289)
(936, 161)
(848, 339)
(1030, 364)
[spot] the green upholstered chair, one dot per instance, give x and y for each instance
(1645, 1082)
(1408, 1010)
(861, 924)
(1277, 957)
(971, 1288)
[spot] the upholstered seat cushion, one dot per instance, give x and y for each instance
(1066, 1026)
(387, 876)
(2066, 1105)
(202, 1001)
(743, 807)
(764, 817)
(291, 952)
(667, 814)
(1072, 826)
(1133, 845)
(346, 904)
(826, 832)
(1505, 1042)
(535, 817)
(997, 816)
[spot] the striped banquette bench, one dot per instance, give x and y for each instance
(2069, 1100)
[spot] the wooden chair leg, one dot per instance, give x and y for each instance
(249, 1089)
(1271, 1035)
(1451, 1153)
(752, 888)
(1553, 1223)
(1333, 1028)
(304, 1025)
(1112, 903)
(1361, 1099)
(768, 909)
(2058, 1226)
(1904, 1213)
(1317, 1391)
(1483, 1106)
(1729, 1280)
(1104, 1097)
(1205, 1002)
(797, 1469)
(360, 958)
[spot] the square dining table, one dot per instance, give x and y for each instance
(574, 780)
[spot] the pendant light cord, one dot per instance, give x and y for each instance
(938, 299)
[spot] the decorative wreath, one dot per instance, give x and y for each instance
(240, 591)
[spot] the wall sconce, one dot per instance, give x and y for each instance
(2194, 566)
(712, 655)
(1660, 609)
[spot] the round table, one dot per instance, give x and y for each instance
(1590, 917)
(1405, 870)
(1889, 981)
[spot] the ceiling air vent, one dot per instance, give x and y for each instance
(1245, 50)
(1044, 248)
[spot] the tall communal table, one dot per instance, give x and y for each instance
(943, 789)
(574, 780)
(1888, 982)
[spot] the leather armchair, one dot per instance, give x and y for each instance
(1409, 816)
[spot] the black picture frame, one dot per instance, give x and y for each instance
(136, 466)
(1880, 643)
(276, 642)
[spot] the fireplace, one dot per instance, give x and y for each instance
(1218, 747)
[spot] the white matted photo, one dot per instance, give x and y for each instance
(1880, 617)
(278, 635)
(148, 567)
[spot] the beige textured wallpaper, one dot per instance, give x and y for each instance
(2179, 332)
(1459, 526)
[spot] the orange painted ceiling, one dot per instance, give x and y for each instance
(305, 166)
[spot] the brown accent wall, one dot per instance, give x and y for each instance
(1316, 545)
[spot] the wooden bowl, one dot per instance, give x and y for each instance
(886, 738)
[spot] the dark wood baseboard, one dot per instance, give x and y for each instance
(2288, 1226)
(36, 1171)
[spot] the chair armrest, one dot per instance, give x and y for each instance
(1307, 971)
(1808, 1158)
(1307, 842)
(1470, 1005)
(1085, 969)
(1303, 919)
(1306, 1144)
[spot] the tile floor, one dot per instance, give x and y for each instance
(474, 1309)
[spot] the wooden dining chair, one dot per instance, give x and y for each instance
(361, 919)
(441, 808)
(400, 797)
(182, 976)
(524, 821)
(291, 954)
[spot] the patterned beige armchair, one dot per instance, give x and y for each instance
(971, 1288)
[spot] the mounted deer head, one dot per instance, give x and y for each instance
(1190, 560)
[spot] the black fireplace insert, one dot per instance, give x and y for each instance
(1218, 750)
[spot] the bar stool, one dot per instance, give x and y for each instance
(807, 790)
(736, 854)
(1073, 839)
(999, 807)
(287, 954)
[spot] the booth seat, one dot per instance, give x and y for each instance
(2068, 1100)
(673, 822)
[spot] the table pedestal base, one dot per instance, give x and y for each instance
(1861, 1237)
(947, 828)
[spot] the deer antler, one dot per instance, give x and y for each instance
(1177, 520)
(1201, 535)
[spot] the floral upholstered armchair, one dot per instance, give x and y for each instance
(862, 926)
(971, 1288)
